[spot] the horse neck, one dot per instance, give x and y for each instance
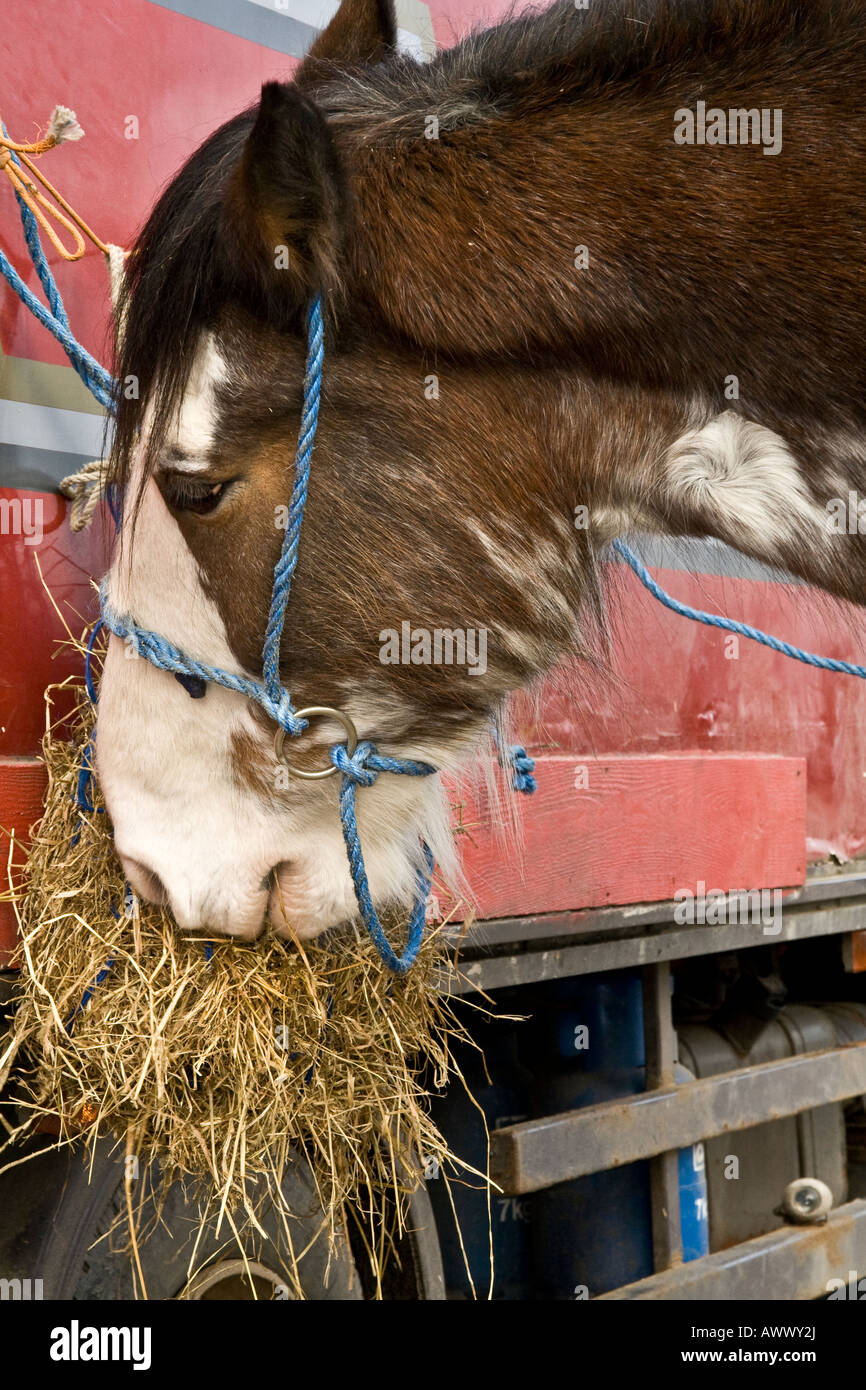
(561, 215)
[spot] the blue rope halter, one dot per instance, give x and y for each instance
(358, 764)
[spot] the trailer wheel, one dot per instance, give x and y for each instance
(57, 1209)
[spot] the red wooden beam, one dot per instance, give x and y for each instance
(620, 829)
(598, 831)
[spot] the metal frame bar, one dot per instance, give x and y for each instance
(539, 1153)
(796, 1262)
(660, 1041)
(818, 888)
(672, 942)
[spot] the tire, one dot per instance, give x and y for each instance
(56, 1210)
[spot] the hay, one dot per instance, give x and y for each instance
(221, 1069)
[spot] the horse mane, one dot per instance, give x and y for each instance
(550, 56)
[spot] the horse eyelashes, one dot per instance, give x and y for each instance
(185, 494)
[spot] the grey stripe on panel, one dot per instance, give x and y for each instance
(701, 555)
(260, 23)
(37, 470)
(289, 26)
(46, 427)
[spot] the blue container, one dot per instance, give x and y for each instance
(694, 1212)
(594, 1234)
(582, 1045)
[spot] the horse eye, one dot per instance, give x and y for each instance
(185, 494)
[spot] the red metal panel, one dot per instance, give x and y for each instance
(452, 19)
(30, 628)
(615, 830)
(22, 785)
(111, 60)
(674, 685)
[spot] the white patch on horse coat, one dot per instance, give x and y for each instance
(164, 760)
(534, 566)
(741, 482)
(166, 764)
(194, 435)
(607, 523)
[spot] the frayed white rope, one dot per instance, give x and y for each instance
(85, 490)
(63, 125)
(116, 270)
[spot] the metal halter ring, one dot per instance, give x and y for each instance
(313, 712)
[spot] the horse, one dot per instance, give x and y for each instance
(467, 476)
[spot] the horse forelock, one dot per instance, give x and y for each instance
(178, 286)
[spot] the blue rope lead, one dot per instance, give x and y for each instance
(287, 563)
(361, 770)
(95, 377)
(37, 256)
(88, 661)
(88, 993)
(823, 663)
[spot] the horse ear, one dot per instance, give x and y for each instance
(362, 31)
(284, 204)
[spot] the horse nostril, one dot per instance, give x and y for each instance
(146, 883)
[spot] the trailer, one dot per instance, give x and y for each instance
(677, 918)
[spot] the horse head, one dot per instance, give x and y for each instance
(457, 512)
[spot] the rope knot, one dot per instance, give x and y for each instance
(354, 767)
(63, 125)
(523, 767)
(85, 490)
(282, 713)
